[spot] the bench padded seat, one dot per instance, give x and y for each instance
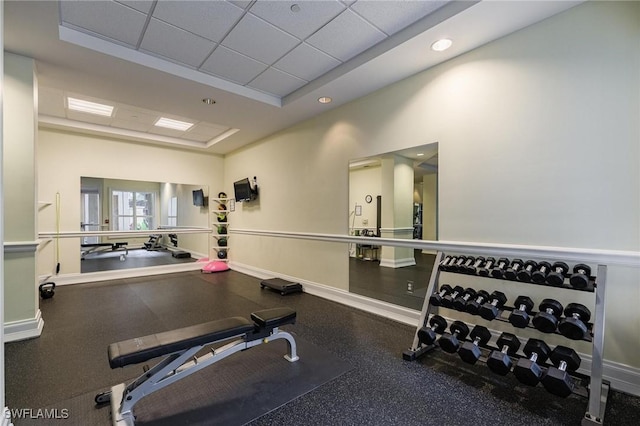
(274, 317)
(141, 349)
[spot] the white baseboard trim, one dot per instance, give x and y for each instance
(24, 329)
(6, 417)
(77, 278)
(397, 263)
(623, 378)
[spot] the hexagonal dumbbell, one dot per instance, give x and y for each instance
(520, 316)
(427, 335)
(512, 271)
(574, 326)
(461, 301)
(445, 262)
(557, 380)
(526, 272)
(447, 300)
(491, 308)
(556, 276)
(455, 266)
(470, 351)
(436, 298)
(450, 342)
(467, 265)
(473, 306)
(473, 268)
(528, 370)
(486, 268)
(500, 361)
(547, 319)
(539, 276)
(581, 276)
(498, 270)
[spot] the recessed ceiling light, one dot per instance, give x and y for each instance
(89, 107)
(173, 124)
(209, 101)
(295, 8)
(442, 44)
(324, 100)
(420, 154)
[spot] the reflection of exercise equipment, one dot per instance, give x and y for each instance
(47, 290)
(153, 243)
(181, 347)
(100, 247)
(175, 252)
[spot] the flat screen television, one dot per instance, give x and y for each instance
(243, 191)
(198, 198)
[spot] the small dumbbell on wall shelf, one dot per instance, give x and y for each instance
(436, 298)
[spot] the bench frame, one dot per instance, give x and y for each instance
(181, 364)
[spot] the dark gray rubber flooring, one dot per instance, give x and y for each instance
(67, 365)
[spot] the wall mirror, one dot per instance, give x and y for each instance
(393, 195)
(128, 205)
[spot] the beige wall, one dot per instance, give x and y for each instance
(538, 144)
(64, 157)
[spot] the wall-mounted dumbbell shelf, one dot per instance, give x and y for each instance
(220, 222)
(554, 294)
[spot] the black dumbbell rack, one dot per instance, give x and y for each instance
(592, 386)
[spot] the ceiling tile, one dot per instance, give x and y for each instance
(105, 18)
(259, 40)
(311, 16)
(276, 82)
(142, 5)
(196, 137)
(392, 16)
(210, 129)
(306, 62)
(130, 125)
(175, 44)
(209, 19)
(232, 65)
(127, 114)
(347, 26)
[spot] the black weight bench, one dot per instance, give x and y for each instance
(96, 247)
(180, 348)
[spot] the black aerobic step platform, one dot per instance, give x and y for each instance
(283, 286)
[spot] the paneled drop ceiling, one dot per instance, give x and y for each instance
(264, 62)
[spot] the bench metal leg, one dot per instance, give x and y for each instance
(179, 365)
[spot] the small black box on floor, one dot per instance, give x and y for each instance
(179, 254)
(283, 286)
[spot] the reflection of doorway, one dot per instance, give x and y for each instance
(90, 213)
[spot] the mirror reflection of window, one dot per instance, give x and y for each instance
(172, 215)
(90, 214)
(129, 208)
